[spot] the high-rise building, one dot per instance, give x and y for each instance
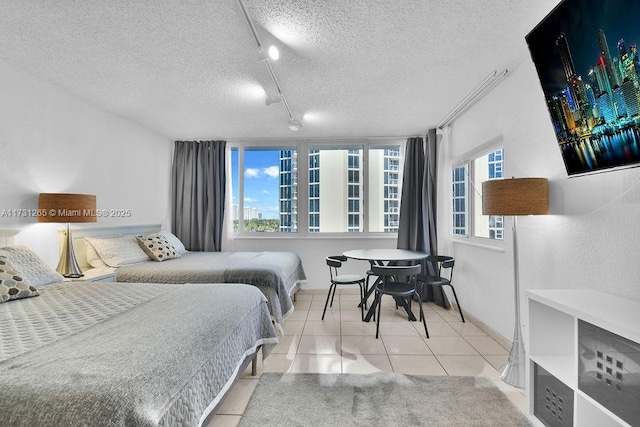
(606, 56)
(567, 114)
(288, 191)
(629, 71)
(565, 57)
(606, 108)
(618, 98)
(622, 50)
(604, 83)
(574, 82)
(593, 82)
(630, 95)
(336, 190)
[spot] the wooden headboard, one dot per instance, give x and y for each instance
(79, 234)
(6, 237)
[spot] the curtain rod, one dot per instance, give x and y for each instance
(478, 92)
(276, 139)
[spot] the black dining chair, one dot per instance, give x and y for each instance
(334, 263)
(441, 262)
(399, 282)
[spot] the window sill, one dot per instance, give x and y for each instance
(476, 244)
(315, 236)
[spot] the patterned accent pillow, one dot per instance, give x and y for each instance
(12, 285)
(33, 269)
(157, 247)
(118, 251)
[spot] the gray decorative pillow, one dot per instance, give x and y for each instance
(157, 247)
(12, 285)
(33, 269)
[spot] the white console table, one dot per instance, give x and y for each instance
(554, 316)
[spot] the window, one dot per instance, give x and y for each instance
(268, 187)
(351, 188)
(467, 182)
(384, 189)
(460, 200)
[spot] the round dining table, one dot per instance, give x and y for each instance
(380, 257)
(385, 255)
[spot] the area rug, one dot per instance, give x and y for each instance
(380, 399)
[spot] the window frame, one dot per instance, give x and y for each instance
(303, 149)
(468, 163)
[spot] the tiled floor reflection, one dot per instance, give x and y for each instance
(342, 343)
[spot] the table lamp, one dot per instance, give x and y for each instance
(515, 196)
(67, 208)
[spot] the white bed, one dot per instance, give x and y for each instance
(277, 274)
(87, 353)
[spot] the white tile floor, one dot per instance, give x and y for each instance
(342, 343)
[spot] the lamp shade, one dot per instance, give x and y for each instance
(515, 196)
(64, 207)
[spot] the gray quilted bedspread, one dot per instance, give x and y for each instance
(276, 274)
(111, 354)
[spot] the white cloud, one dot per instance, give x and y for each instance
(265, 191)
(252, 172)
(250, 200)
(272, 171)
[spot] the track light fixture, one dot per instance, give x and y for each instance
(271, 55)
(270, 100)
(295, 124)
(274, 53)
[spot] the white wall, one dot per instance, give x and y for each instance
(52, 141)
(589, 240)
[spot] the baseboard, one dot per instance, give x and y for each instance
(504, 342)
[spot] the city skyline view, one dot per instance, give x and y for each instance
(581, 21)
(262, 184)
(586, 56)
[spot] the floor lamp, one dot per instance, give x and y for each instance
(67, 208)
(516, 197)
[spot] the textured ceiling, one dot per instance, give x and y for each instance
(190, 68)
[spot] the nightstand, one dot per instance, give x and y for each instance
(97, 275)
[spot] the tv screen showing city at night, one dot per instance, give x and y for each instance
(586, 55)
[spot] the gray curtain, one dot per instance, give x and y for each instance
(417, 225)
(198, 194)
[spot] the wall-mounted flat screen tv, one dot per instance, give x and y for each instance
(586, 55)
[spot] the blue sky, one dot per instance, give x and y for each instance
(261, 180)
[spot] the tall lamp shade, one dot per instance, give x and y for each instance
(67, 208)
(516, 197)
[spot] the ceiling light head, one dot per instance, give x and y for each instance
(270, 100)
(272, 54)
(295, 125)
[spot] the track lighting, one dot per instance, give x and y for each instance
(295, 125)
(272, 54)
(270, 100)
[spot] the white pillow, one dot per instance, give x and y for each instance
(118, 251)
(174, 241)
(92, 256)
(33, 269)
